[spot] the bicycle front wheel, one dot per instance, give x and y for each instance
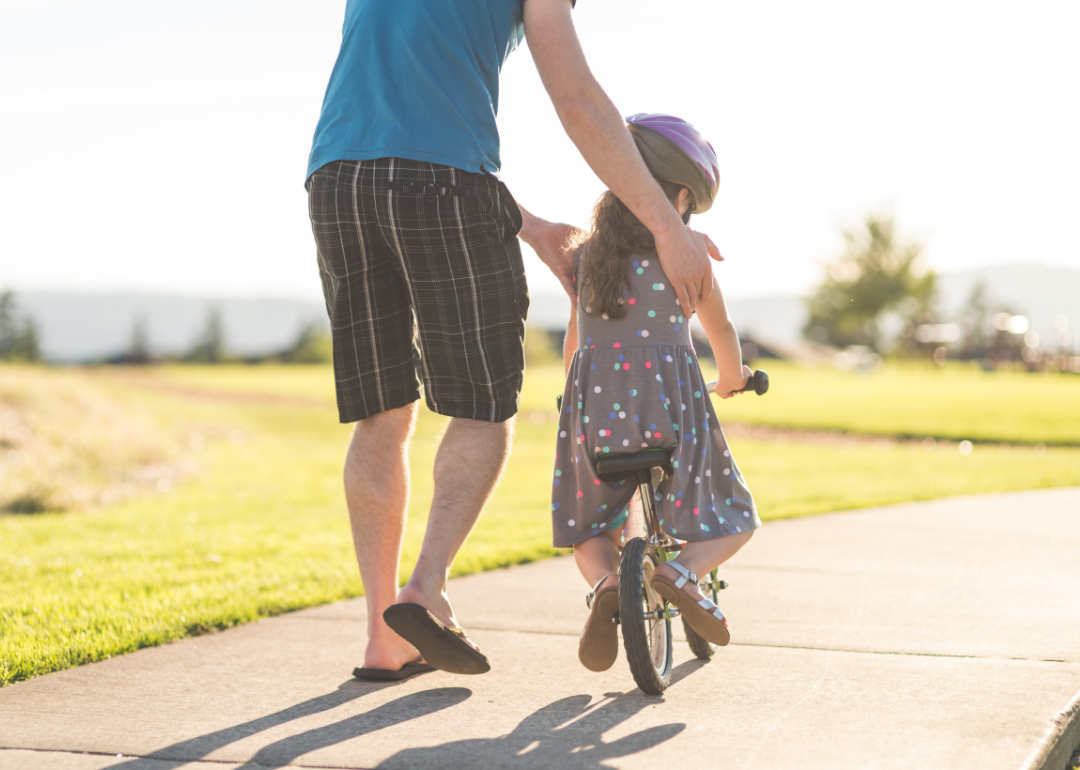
(646, 627)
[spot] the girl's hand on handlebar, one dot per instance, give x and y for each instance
(746, 375)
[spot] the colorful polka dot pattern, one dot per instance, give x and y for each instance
(635, 384)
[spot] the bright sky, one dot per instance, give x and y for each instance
(162, 146)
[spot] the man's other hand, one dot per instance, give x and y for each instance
(553, 243)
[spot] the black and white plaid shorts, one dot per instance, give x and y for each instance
(422, 274)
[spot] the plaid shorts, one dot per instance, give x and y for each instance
(422, 275)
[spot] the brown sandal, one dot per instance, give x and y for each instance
(444, 647)
(703, 616)
(598, 646)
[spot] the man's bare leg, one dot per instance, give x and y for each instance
(468, 466)
(377, 493)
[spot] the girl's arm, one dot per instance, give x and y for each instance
(724, 340)
(570, 343)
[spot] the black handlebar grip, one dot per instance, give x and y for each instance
(758, 382)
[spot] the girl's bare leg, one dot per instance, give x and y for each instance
(599, 556)
(703, 557)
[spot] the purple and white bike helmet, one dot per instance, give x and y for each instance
(676, 152)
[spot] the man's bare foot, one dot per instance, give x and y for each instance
(438, 604)
(386, 650)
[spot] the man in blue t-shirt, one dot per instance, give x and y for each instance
(421, 268)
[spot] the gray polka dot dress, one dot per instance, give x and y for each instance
(635, 384)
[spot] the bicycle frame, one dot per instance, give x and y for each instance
(666, 546)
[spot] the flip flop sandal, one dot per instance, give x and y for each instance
(599, 643)
(703, 616)
(414, 668)
(443, 647)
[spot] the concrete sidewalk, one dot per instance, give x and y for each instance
(929, 635)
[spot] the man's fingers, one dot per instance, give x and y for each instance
(684, 300)
(714, 252)
(693, 294)
(706, 288)
(689, 298)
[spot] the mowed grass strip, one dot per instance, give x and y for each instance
(954, 402)
(68, 443)
(261, 528)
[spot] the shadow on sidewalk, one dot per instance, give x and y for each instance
(564, 734)
(286, 750)
(567, 733)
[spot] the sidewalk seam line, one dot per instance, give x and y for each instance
(817, 649)
(752, 644)
(162, 759)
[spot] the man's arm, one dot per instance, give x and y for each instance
(597, 129)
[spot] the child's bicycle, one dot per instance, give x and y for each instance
(644, 615)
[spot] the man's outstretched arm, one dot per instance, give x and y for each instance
(598, 130)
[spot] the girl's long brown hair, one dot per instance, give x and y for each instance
(606, 250)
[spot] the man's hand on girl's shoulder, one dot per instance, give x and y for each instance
(684, 255)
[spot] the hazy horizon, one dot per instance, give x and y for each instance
(546, 289)
(83, 326)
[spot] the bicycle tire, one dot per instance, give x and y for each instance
(647, 640)
(702, 648)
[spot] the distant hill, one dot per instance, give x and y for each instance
(777, 318)
(1038, 291)
(91, 327)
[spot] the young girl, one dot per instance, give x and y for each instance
(633, 383)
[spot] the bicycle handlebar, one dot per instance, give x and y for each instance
(758, 382)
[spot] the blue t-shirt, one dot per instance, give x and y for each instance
(418, 79)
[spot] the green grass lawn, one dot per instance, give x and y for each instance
(953, 402)
(260, 528)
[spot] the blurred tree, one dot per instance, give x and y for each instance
(987, 335)
(209, 348)
(18, 335)
(8, 325)
(976, 324)
(312, 346)
(139, 349)
(877, 274)
(27, 347)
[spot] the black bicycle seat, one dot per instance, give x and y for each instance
(617, 467)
